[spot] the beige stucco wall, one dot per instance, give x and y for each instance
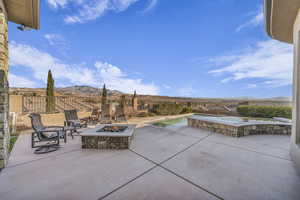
(15, 103)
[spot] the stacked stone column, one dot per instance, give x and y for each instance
(4, 89)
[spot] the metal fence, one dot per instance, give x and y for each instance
(38, 104)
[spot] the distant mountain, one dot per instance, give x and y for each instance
(283, 98)
(81, 90)
(72, 90)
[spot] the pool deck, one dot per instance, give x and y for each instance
(162, 163)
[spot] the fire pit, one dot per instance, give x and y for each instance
(107, 136)
(114, 129)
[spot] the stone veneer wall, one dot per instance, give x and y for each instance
(239, 131)
(4, 98)
(105, 142)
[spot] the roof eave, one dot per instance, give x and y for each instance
(33, 21)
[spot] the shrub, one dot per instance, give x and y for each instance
(186, 110)
(142, 114)
(12, 142)
(150, 114)
(265, 111)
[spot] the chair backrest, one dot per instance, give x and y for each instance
(36, 122)
(95, 112)
(120, 114)
(71, 115)
(121, 118)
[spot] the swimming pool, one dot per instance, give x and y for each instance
(237, 126)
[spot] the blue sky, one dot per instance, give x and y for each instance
(196, 48)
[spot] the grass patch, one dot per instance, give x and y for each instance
(168, 122)
(12, 142)
(265, 111)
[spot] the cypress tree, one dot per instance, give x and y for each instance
(104, 96)
(134, 101)
(50, 99)
(133, 98)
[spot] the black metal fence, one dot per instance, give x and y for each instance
(38, 104)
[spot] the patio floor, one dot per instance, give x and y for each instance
(163, 163)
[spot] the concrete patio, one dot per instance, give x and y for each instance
(162, 163)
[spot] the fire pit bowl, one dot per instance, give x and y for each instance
(108, 136)
(114, 129)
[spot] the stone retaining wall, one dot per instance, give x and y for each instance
(4, 87)
(239, 131)
(105, 142)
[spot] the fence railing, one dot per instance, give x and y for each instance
(38, 104)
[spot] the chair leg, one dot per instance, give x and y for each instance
(65, 137)
(32, 140)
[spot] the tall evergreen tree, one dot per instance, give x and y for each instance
(133, 98)
(50, 99)
(104, 96)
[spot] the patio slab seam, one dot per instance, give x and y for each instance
(128, 182)
(159, 164)
(249, 150)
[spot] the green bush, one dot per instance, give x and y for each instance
(12, 142)
(265, 111)
(142, 114)
(150, 114)
(186, 110)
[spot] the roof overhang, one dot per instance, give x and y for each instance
(280, 17)
(25, 12)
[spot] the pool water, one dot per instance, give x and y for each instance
(178, 122)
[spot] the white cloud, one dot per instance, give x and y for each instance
(39, 62)
(151, 5)
(55, 39)
(90, 9)
(257, 19)
(269, 61)
(252, 85)
(57, 3)
(186, 91)
(167, 87)
(62, 3)
(18, 81)
(114, 78)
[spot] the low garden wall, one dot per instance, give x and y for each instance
(239, 131)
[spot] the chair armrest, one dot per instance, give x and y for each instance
(84, 119)
(49, 131)
(55, 127)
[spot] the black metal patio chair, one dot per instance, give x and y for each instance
(105, 119)
(93, 118)
(95, 115)
(73, 122)
(49, 134)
